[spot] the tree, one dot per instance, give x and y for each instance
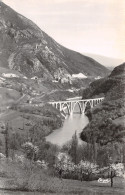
(87, 168)
(116, 170)
(6, 135)
(15, 141)
(6, 141)
(73, 148)
(30, 150)
(1, 143)
(47, 152)
(63, 163)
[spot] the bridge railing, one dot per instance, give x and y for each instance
(77, 100)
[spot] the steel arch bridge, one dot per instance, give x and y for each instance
(71, 104)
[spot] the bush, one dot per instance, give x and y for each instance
(29, 177)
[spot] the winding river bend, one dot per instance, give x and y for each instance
(73, 123)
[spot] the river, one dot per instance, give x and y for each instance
(73, 123)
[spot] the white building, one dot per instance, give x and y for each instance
(10, 75)
(80, 76)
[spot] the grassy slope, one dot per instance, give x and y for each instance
(72, 187)
(8, 96)
(120, 120)
(23, 119)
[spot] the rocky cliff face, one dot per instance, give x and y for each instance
(27, 49)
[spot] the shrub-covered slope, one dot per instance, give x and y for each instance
(112, 87)
(107, 123)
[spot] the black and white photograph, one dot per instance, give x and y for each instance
(62, 97)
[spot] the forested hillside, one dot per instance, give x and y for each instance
(106, 129)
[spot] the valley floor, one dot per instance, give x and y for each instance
(74, 187)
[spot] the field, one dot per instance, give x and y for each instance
(8, 96)
(76, 187)
(17, 179)
(120, 120)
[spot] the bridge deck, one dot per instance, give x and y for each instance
(77, 100)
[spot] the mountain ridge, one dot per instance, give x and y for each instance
(29, 50)
(106, 61)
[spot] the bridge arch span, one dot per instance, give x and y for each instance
(96, 102)
(58, 106)
(67, 106)
(88, 103)
(80, 108)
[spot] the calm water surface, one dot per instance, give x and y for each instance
(73, 123)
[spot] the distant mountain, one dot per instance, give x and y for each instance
(24, 47)
(109, 62)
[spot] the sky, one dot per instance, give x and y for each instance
(94, 27)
